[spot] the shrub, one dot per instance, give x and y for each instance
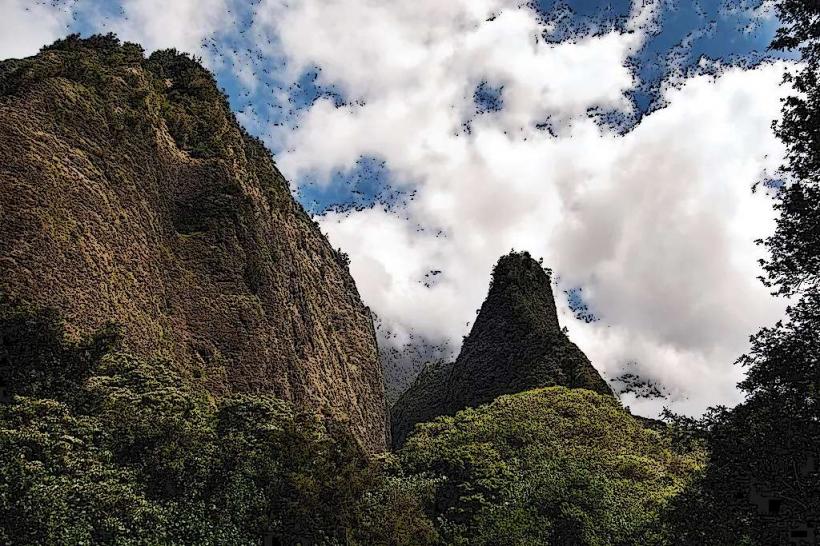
(133, 453)
(549, 466)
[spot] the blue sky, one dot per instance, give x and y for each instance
(727, 31)
(617, 139)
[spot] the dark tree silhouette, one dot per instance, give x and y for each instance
(762, 485)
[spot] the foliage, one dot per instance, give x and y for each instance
(550, 466)
(134, 454)
(795, 244)
(60, 485)
(195, 111)
(762, 485)
(178, 89)
(36, 360)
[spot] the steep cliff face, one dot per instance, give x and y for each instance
(516, 344)
(426, 399)
(130, 194)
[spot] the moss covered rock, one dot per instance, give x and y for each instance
(516, 344)
(130, 194)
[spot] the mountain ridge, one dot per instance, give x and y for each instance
(134, 197)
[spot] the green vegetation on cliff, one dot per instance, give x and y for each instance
(100, 447)
(130, 194)
(516, 344)
(550, 466)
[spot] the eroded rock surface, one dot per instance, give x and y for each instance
(516, 344)
(129, 193)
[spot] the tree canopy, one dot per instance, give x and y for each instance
(762, 485)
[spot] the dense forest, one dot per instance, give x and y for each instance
(106, 448)
(103, 444)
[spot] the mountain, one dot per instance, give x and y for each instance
(516, 344)
(426, 399)
(131, 195)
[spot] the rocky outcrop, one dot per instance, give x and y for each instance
(516, 344)
(426, 399)
(130, 194)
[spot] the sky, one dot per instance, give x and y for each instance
(619, 140)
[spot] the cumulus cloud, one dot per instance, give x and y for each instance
(656, 225)
(26, 26)
(674, 271)
(415, 66)
(181, 24)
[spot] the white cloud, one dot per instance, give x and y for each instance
(181, 24)
(416, 65)
(27, 26)
(656, 225)
(676, 279)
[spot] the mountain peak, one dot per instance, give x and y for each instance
(519, 305)
(516, 344)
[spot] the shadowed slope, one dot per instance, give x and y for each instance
(516, 344)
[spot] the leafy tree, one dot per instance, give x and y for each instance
(762, 485)
(549, 466)
(794, 266)
(133, 453)
(60, 485)
(36, 359)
